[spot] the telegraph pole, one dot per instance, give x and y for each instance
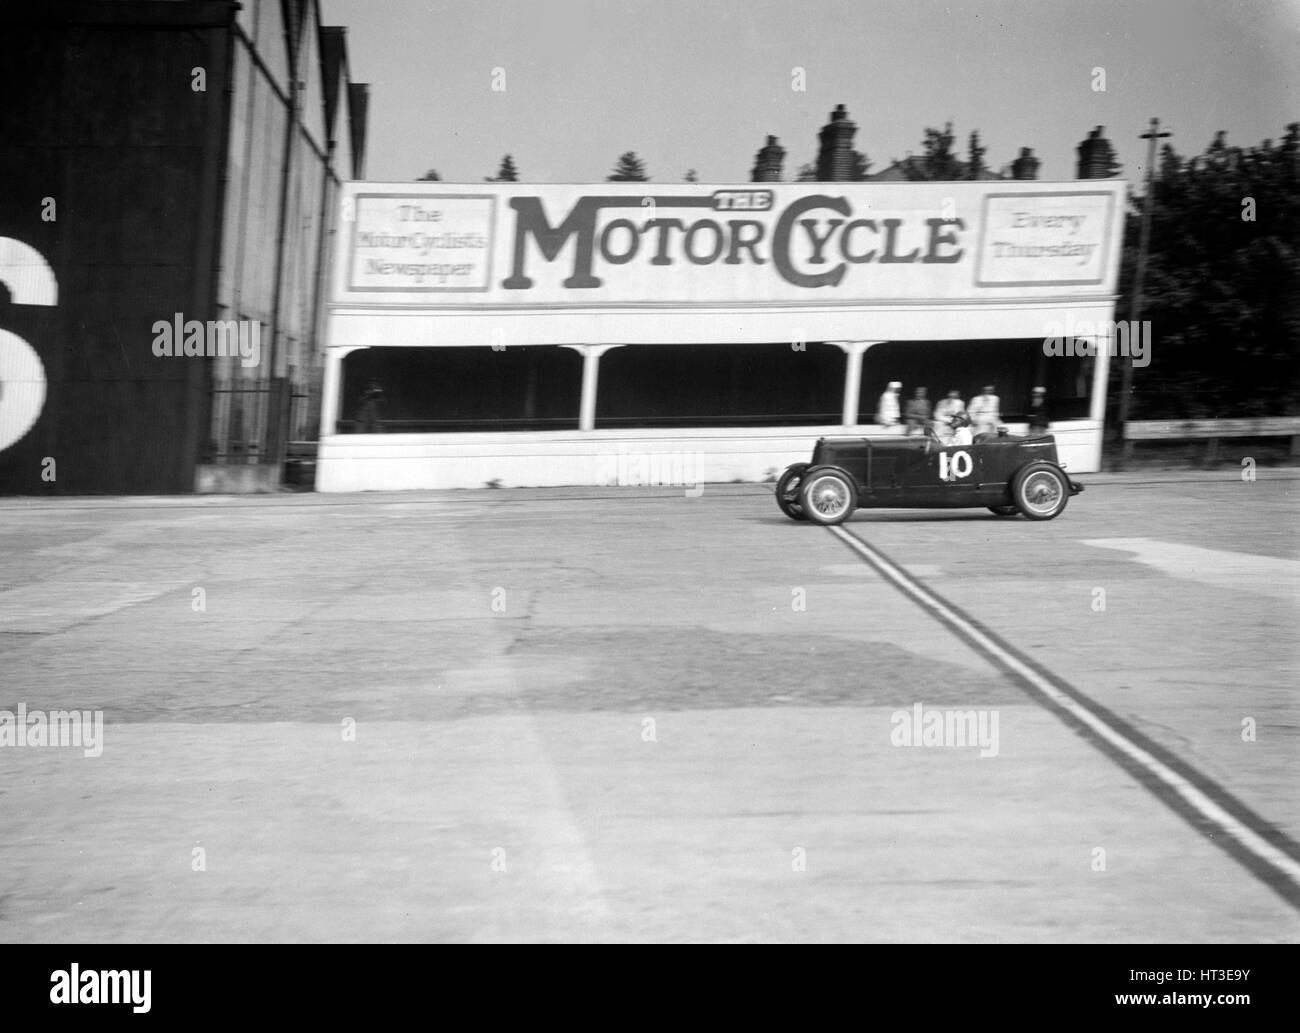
(1135, 307)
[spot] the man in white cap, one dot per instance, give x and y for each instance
(887, 410)
(984, 412)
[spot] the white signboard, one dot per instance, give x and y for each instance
(658, 246)
(1032, 239)
(421, 242)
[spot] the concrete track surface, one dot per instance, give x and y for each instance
(631, 714)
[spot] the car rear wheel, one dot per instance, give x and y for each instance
(828, 497)
(1003, 510)
(787, 491)
(1041, 491)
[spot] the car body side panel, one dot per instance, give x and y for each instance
(916, 472)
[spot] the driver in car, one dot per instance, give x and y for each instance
(960, 430)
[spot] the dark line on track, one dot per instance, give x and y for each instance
(1277, 878)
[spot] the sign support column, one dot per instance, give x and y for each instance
(591, 354)
(331, 395)
(853, 351)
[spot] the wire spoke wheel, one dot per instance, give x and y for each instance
(1041, 491)
(828, 498)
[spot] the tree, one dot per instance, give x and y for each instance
(938, 162)
(975, 166)
(861, 166)
(630, 169)
(690, 177)
(430, 176)
(1222, 289)
(506, 173)
(807, 173)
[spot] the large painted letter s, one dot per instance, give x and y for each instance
(31, 281)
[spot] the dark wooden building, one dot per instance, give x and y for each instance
(166, 165)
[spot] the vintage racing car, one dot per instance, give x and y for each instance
(1004, 473)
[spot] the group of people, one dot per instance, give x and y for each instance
(952, 421)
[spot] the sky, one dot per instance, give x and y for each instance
(700, 84)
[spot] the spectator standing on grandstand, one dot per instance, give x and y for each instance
(1039, 420)
(918, 411)
(887, 411)
(944, 413)
(984, 412)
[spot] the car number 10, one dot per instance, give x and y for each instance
(954, 467)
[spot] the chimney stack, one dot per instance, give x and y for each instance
(1026, 166)
(835, 156)
(767, 163)
(1096, 157)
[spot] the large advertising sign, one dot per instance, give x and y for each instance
(648, 245)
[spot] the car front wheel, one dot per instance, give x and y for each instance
(828, 497)
(1040, 491)
(787, 491)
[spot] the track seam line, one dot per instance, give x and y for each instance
(1266, 851)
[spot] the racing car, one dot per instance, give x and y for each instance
(1005, 473)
